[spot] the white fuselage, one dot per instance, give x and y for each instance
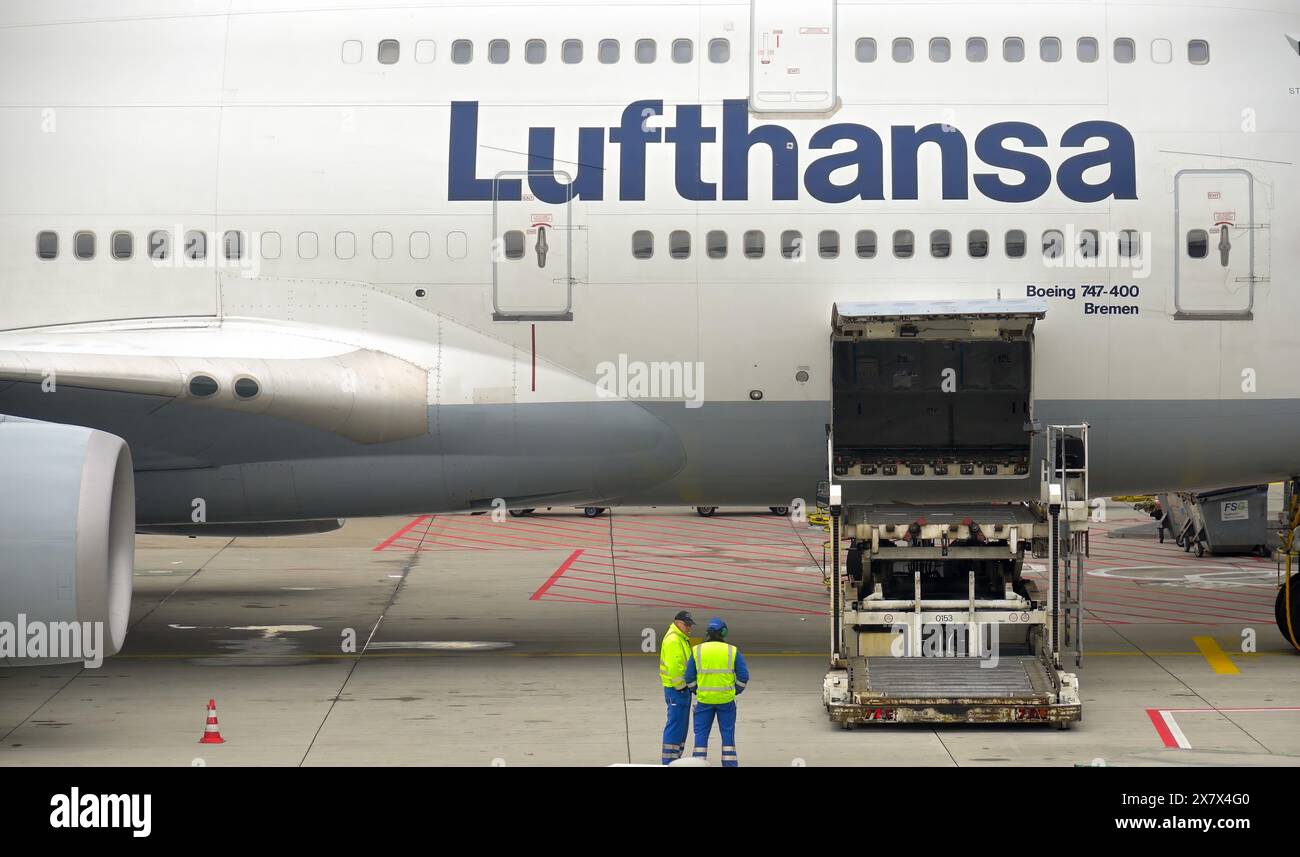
(388, 206)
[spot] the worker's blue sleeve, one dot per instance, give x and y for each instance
(689, 675)
(742, 673)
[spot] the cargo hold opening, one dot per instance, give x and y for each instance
(935, 389)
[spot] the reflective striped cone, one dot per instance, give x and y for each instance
(211, 732)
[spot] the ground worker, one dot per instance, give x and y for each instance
(717, 673)
(674, 653)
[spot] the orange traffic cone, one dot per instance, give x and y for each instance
(211, 732)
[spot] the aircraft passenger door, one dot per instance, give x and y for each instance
(533, 249)
(792, 56)
(1214, 255)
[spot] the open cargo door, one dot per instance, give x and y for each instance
(931, 390)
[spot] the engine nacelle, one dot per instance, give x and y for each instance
(67, 540)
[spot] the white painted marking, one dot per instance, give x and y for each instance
(1199, 576)
(271, 631)
(1175, 730)
(443, 645)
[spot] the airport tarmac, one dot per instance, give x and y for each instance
(523, 642)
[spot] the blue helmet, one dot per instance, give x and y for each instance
(717, 626)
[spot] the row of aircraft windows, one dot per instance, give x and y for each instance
(753, 245)
(572, 51)
(1087, 49)
(234, 245)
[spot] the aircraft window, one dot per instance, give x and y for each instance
(755, 244)
(828, 244)
(1053, 244)
(513, 244)
(715, 244)
(941, 243)
(940, 50)
(534, 51)
(679, 244)
(1087, 49)
(83, 245)
(196, 245)
(1015, 243)
(1198, 52)
(270, 245)
(646, 50)
(352, 51)
(381, 245)
(1130, 244)
(462, 51)
(425, 49)
(571, 51)
(160, 245)
(719, 50)
(308, 245)
(345, 245)
(457, 246)
(1089, 244)
(792, 244)
(977, 49)
(1013, 49)
(864, 50)
(122, 245)
(234, 244)
(1049, 49)
(1162, 51)
(643, 244)
(418, 245)
(1198, 243)
(865, 243)
(389, 51)
(608, 51)
(977, 244)
(904, 243)
(1125, 50)
(902, 50)
(47, 245)
(683, 50)
(498, 51)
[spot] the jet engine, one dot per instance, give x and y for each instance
(67, 540)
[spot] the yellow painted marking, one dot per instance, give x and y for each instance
(1218, 659)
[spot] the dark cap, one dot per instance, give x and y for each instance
(683, 616)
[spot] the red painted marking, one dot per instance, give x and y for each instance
(534, 358)
(677, 590)
(712, 584)
(555, 575)
(644, 562)
(1162, 728)
(676, 601)
(403, 531)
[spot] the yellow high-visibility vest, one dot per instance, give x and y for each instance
(715, 672)
(673, 654)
